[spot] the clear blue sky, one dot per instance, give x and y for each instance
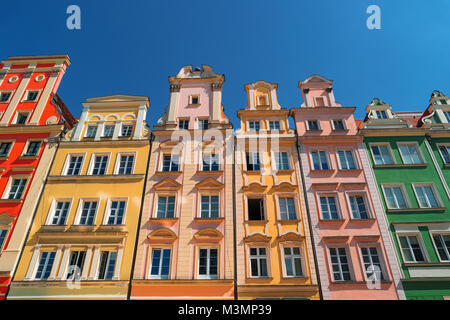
(131, 47)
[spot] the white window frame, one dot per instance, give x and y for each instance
(16, 115)
(352, 151)
(67, 162)
(436, 233)
(116, 265)
(207, 276)
(446, 145)
(380, 254)
(159, 276)
(92, 162)
(249, 264)
(349, 261)
(161, 161)
(52, 211)
(334, 194)
(327, 155)
(318, 124)
(184, 120)
(324, 101)
(191, 99)
(13, 141)
(87, 129)
(218, 194)
(25, 96)
(275, 119)
(104, 129)
(198, 123)
(36, 265)
(274, 163)
(118, 158)
(108, 211)
(365, 197)
(388, 145)
(9, 184)
(419, 240)
(338, 119)
(435, 193)
(254, 121)
(2, 245)
(302, 259)
(122, 124)
(260, 158)
(155, 205)
(403, 190)
(80, 210)
(10, 96)
(27, 144)
(405, 143)
(278, 208)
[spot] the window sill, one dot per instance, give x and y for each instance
(82, 228)
(331, 220)
(163, 219)
(109, 227)
(22, 168)
(167, 173)
(205, 173)
(350, 170)
(416, 210)
(446, 165)
(194, 104)
(289, 220)
(54, 228)
(290, 171)
(328, 171)
(340, 130)
(363, 220)
(11, 201)
(402, 165)
(256, 222)
(259, 279)
(426, 264)
(314, 131)
(253, 172)
(209, 220)
(25, 157)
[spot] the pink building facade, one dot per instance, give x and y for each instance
(354, 252)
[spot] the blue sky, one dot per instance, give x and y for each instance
(131, 47)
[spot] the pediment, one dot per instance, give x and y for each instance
(290, 236)
(117, 98)
(6, 219)
(209, 184)
(208, 234)
(170, 144)
(257, 237)
(285, 186)
(316, 78)
(168, 184)
(255, 186)
(162, 235)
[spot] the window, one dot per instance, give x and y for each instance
(313, 125)
(395, 197)
(372, 264)
(210, 162)
(203, 124)
(281, 160)
(195, 100)
(21, 117)
(107, 264)
(320, 161)
(338, 125)
(116, 212)
(262, 100)
(91, 131)
(381, 114)
(126, 130)
(166, 207)
(160, 264)
(33, 148)
(209, 207)
(17, 188)
(254, 126)
(100, 163)
(287, 209)
(4, 96)
(410, 154)
(258, 262)
(447, 115)
(445, 152)
(346, 160)
(60, 212)
(45, 265)
(88, 213)
(3, 233)
(126, 164)
(207, 263)
(32, 95)
(255, 209)
(339, 264)
(5, 147)
(183, 124)
(76, 263)
(293, 262)
(253, 163)
(358, 206)
(170, 162)
(329, 208)
(320, 101)
(74, 167)
(412, 251)
(442, 242)
(426, 196)
(108, 131)
(274, 125)
(381, 154)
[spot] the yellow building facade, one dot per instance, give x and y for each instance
(82, 239)
(273, 238)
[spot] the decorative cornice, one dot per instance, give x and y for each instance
(216, 86)
(175, 87)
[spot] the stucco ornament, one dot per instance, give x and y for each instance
(377, 102)
(52, 120)
(437, 93)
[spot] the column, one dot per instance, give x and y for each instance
(80, 124)
(64, 263)
(87, 260)
(95, 262)
(215, 108)
(140, 121)
(117, 127)
(273, 96)
(251, 98)
(441, 115)
(36, 115)
(55, 263)
(118, 263)
(306, 96)
(331, 97)
(99, 132)
(174, 98)
(33, 261)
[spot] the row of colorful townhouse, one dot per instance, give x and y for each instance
(101, 207)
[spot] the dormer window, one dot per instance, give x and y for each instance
(253, 125)
(338, 125)
(381, 114)
(108, 131)
(313, 125)
(274, 125)
(320, 101)
(194, 99)
(262, 101)
(447, 116)
(443, 101)
(91, 131)
(126, 130)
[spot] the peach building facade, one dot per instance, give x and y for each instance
(355, 256)
(185, 246)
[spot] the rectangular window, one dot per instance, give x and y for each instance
(209, 207)
(210, 162)
(381, 114)
(255, 209)
(183, 124)
(287, 209)
(258, 262)
(395, 197)
(329, 208)
(116, 212)
(346, 160)
(33, 148)
(447, 114)
(166, 207)
(358, 206)
(207, 263)
(445, 152)
(253, 163)
(254, 125)
(22, 117)
(339, 264)
(74, 167)
(442, 242)
(293, 262)
(160, 264)
(126, 164)
(320, 101)
(320, 161)
(203, 124)
(338, 125)
(372, 264)
(274, 125)
(195, 99)
(107, 264)
(45, 265)
(4, 96)
(17, 188)
(381, 154)
(88, 213)
(281, 160)
(108, 131)
(410, 154)
(126, 130)
(412, 251)
(60, 213)
(32, 95)
(100, 163)
(4, 149)
(3, 233)
(426, 196)
(313, 125)
(91, 131)
(170, 163)
(76, 263)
